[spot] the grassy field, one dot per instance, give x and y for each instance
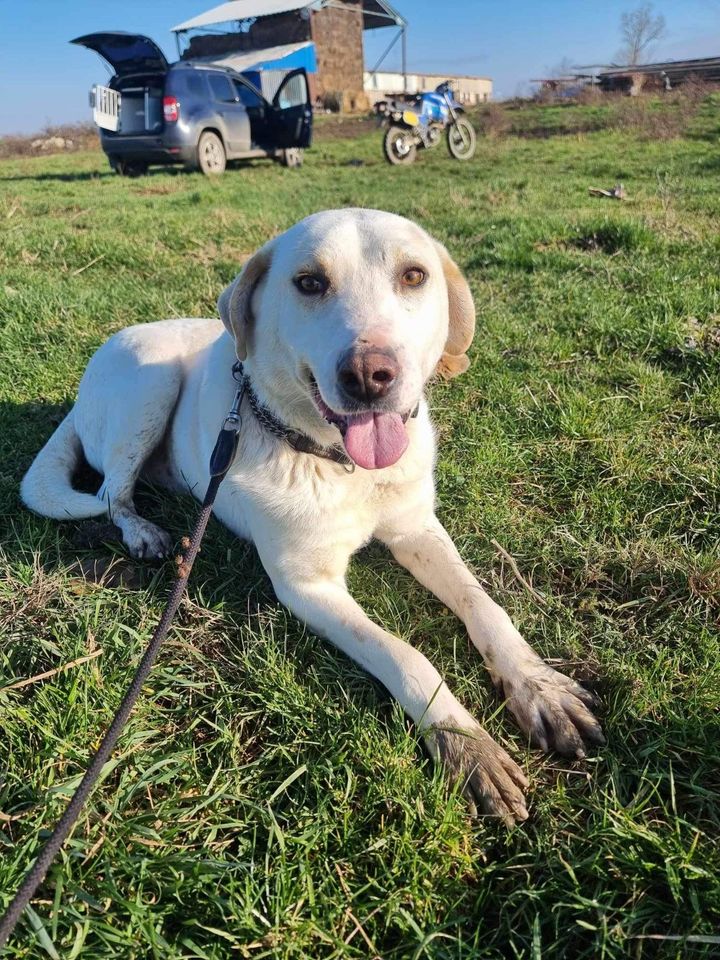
(267, 799)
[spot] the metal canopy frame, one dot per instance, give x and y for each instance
(376, 9)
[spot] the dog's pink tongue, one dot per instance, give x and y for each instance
(375, 440)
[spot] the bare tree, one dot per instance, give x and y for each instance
(563, 68)
(641, 28)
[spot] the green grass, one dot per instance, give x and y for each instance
(267, 798)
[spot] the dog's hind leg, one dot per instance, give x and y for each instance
(143, 538)
(120, 443)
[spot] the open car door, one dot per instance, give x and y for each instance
(291, 115)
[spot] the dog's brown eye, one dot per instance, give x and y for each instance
(311, 283)
(413, 277)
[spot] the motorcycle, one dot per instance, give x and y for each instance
(418, 123)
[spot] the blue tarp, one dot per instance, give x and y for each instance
(304, 57)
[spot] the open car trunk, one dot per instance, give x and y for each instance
(140, 68)
(141, 105)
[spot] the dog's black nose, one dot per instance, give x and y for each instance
(368, 374)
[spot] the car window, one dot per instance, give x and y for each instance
(293, 92)
(194, 84)
(221, 87)
(247, 96)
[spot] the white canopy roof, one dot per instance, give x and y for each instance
(247, 59)
(241, 10)
(376, 13)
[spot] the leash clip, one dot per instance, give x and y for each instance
(233, 420)
(227, 442)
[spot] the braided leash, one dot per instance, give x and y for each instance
(220, 461)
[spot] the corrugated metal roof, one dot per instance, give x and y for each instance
(240, 10)
(376, 13)
(249, 59)
(667, 66)
(379, 13)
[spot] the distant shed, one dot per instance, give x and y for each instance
(468, 90)
(668, 75)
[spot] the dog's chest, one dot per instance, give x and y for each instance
(310, 506)
(312, 498)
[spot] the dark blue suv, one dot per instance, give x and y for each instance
(191, 112)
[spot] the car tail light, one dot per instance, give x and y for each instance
(171, 109)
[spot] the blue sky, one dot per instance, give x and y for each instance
(43, 79)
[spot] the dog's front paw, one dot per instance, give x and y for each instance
(553, 710)
(490, 780)
(145, 540)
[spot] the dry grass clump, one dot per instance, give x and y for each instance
(494, 120)
(651, 115)
(82, 136)
(666, 117)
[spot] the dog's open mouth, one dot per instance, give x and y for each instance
(373, 440)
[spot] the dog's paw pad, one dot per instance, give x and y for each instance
(146, 541)
(553, 710)
(491, 782)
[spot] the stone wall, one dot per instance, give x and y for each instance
(272, 31)
(279, 28)
(338, 37)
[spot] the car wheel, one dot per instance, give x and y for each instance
(292, 157)
(399, 146)
(212, 159)
(129, 168)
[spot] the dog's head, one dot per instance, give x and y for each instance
(342, 320)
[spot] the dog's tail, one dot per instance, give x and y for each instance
(47, 486)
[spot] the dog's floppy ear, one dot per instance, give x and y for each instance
(235, 302)
(462, 318)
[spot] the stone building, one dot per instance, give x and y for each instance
(324, 36)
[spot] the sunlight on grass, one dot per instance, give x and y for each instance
(267, 798)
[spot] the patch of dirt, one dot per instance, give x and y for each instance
(610, 238)
(96, 533)
(110, 572)
(701, 341)
(704, 335)
(160, 189)
(209, 252)
(342, 128)
(706, 585)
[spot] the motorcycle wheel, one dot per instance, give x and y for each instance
(461, 139)
(399, 148)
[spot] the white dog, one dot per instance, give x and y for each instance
(339, 322)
